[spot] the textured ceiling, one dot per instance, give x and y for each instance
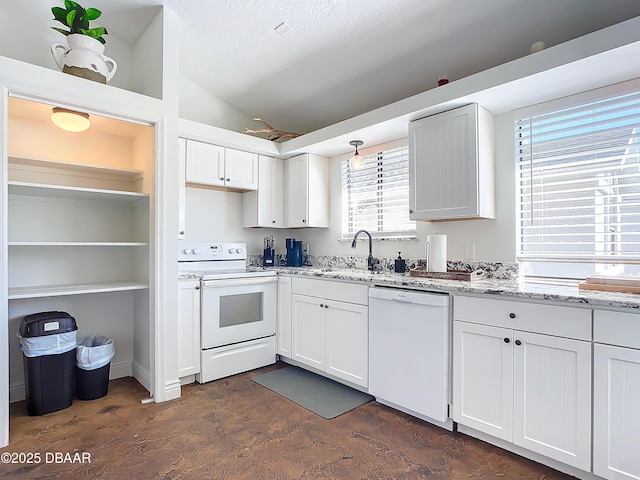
(343, 58)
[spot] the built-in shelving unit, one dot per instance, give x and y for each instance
(79, 231)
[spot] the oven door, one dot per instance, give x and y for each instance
(238, 309)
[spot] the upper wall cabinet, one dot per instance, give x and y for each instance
(307, 193)
(216, 166)
(451, 165)
(265, 207)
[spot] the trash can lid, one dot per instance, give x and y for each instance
(47, 323)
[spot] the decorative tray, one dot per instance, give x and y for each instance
(450, 274)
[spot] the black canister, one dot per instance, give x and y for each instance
(400, 264)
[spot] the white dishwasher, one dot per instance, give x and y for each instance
(409, 352)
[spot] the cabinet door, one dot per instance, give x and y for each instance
(205, 163)
(297, 205)
(240, 169)
(308, 330)
(318, 192)
(182, 165)
(552, 397)
(347, 340)
(284, 316)
(616, 412)
(188, 327)
(483, 378)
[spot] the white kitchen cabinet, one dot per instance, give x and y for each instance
(182, 165)
(188, 327)
(451, 165)
(330, 328)
(616, 390)
(284, 316)
(531, 389)
(216, 166)
(307, 192)
(265, 207)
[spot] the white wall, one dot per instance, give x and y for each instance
(217, 216)
(200, 105)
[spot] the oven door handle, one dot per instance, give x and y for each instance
(234, 282)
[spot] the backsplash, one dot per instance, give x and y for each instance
(497, 270)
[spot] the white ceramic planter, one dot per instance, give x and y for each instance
(84, 57)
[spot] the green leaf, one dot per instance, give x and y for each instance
(69, 5)
(101, 40)
(59, 14)
(64, 32)
(93, 13)
(96, 32)
(71, 16)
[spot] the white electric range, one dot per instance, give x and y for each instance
(238, 308)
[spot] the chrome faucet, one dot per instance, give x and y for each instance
(370, 260)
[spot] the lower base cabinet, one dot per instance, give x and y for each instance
(616, 395)
(530, 389)
(188, 327)
(330, 334)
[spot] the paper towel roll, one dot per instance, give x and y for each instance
(436, 250)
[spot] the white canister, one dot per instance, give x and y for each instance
(436, 250)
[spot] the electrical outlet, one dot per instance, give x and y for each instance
(470, 251)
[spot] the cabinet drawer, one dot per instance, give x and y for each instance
(330, 290)
(531, 317)
(616, 328)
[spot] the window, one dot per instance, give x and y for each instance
(375, 197)
(578, 185)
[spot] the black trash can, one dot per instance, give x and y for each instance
(48, 344)
(93, 362)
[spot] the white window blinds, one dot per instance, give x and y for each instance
(578, 182)
(375, 197)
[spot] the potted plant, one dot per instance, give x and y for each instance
(83, 53)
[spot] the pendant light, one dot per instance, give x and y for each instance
(70, 120)
(356, 161)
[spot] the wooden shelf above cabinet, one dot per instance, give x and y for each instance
(39, 291)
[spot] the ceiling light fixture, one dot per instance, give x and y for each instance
(282, 29)
(356, 161)
(70, 120)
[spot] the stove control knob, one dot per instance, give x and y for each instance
(187, 251)
(232, 250)
(196, 251)
(238, 250)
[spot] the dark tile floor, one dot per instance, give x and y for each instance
(234, 429)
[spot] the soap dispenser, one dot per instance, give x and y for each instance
(400, 264)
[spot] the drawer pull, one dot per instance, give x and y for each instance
(507, 340)
(322, 305)
(512, 315)
(518, 342)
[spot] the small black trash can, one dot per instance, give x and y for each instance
(48, 344)
(93, 362)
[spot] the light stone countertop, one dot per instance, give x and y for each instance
(506, 289)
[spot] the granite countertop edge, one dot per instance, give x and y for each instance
(569, 293)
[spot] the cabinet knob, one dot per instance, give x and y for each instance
(506, 340)
(326, 306)
(228, 179)
(410, 211)
(198, 287)
(512, 315)
(181, 232)
(222, 178)
(518, 342)
(273, 221)
(303, 220)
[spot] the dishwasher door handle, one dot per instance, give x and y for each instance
(401, 300)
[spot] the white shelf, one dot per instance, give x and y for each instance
(124, 174)
(39, 291)
(79, 193)
(78, 244)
